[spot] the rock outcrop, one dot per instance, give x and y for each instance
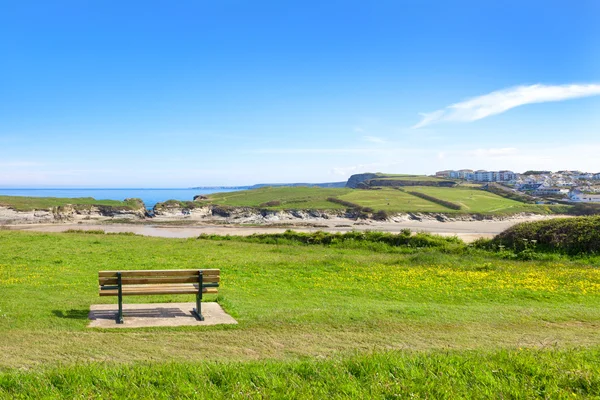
(72, 213)
(355, 180)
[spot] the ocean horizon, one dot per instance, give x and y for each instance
(150, 196)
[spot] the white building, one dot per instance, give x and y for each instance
(479, 176)
(551, 191)
(579, 197)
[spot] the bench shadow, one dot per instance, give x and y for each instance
(71, 314)
(141, 313)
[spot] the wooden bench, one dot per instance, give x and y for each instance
(179, 281)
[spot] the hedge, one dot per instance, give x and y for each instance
(448, 204)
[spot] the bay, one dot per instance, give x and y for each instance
(149, 196)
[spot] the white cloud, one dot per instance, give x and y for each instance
(503, 100)
(374, 139)
(360, 151)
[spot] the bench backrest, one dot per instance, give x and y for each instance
(157, 277)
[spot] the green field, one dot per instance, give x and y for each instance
(22, 203)
(392, 200)
(290, 197)
(348, 319)
(479, 201)
(410, 178)
(471, 199)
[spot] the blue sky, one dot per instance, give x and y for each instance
(186, 93)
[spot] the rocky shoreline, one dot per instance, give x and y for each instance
(69, 214)
(225, 215)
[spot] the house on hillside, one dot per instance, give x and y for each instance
(580, 197)
(466, 174)
(529, 187)
(583, 176)
(597, 176)
(551, 191)
(479, 176)
(484, 176)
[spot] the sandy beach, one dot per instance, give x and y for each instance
(466, 230)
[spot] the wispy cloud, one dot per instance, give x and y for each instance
(19, 164)
(314, 151)
(374, 139)
(503, 100)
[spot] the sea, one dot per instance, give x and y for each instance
(149, 196)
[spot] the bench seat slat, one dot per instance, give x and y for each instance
(142, 273)
(165, 291)
(151, 280)
(152, 290)
(162, 286)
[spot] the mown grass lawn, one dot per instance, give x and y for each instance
(299, 306)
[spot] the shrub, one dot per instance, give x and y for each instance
(447, 204)
(361, 212)
(345, 203)
(272, 203)
(381, 215)
(353, 239)
(509, 194)
(585, 209)
(89, 231)
(571, 236)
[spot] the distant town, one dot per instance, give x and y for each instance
(572, 186)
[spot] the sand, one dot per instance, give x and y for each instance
(466, 230)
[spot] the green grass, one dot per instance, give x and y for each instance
(472, 200)
(446, 375)
(290, 197)
(290, 300)
(392, 200)
(410, 178)
(22, 203)
(351, 319)
(480, 201)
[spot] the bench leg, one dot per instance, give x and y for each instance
(198, 309)
(120, 315)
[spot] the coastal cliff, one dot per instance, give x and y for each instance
(134, 210)
(357, 179)
(208, 213)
